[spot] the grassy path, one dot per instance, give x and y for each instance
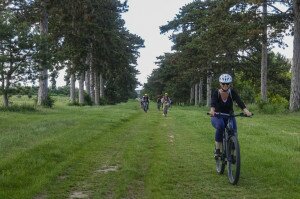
(122, 152)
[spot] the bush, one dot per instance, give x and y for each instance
(19, 108)
(76, 103)
(275, 104)
(48, 103)
(103, 101)
(247, 93)
(277, 99)
(88, 99)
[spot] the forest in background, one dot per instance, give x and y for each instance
(236, 37)
(88, 39)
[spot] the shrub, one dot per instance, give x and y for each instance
(247, 93)
(88, 99)
(275, 104)
(19, 108)
(103, 101)
(76, 103)
(48, 103)
(277, 99)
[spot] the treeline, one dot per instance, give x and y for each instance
(87, 38)
(32, 91)
(211, 37)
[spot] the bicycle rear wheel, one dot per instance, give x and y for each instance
(234, 160)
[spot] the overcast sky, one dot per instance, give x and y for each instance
(144, 18)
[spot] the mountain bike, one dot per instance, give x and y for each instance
(165, 109)
(145, 106)
(230, 154)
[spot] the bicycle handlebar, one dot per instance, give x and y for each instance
(230, 115)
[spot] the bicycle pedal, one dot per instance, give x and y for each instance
(217, 156)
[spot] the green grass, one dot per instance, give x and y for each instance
(64, 152)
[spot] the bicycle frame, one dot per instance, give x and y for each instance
(227, 134)
(165, 108)
(145, 106)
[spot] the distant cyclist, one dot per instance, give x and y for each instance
(165, 100)
(158, 102)
(145, 100)
(222, 101)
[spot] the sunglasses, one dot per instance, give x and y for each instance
(225, 84)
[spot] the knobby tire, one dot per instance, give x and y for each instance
(234, 161)
(166, 110)
(221, 162)
(145, 107)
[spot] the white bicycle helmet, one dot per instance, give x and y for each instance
(225, 78)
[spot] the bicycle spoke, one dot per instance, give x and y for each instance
(233, 160)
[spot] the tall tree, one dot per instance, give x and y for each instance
(225, 34)
(15, 49)
(264, 53)
(43, 69)
(295, 83)
(274, 22)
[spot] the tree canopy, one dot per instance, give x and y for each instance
(212, 37)
(80, 35)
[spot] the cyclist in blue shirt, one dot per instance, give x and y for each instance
(222, 101)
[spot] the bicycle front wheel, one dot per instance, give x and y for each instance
(145, 107)
(234, 160)
(165, 110)
(221, 161)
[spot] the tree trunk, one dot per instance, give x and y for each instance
(196, 94)
(92, 85)
(201, 91)
(5, 87)
(43, 87)
(43, 76)
(97, 88)
(208, 87)
(192, 94)
(101, 86)
(264, 55)
(87, 82)
(5, 103)
(81, 88)
(5, 99)
(295, 81)
(72, 88)
(87, 74)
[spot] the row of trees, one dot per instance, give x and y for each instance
(235, 36)
(87, 38)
